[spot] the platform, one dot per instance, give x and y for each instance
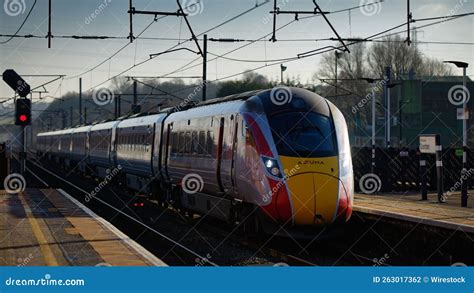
(47, 227)
(410, 207)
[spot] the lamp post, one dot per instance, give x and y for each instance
(372, 81)
(389, 114)
(464, 66)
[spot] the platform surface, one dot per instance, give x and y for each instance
(47, 227)
(410, 207)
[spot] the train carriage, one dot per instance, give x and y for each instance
(136, 152)
(271, 158)
(101, 148)
(78, 154)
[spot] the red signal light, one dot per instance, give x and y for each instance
(23, 118)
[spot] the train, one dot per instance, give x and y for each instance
(269, 159)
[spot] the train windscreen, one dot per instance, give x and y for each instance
(303, 134)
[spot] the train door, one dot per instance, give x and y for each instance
(156, 143)
(220, 143)
(234, 149)
(166, 150)
(113, 146)
(227, 136)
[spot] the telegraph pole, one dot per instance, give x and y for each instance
(135, 108)
(50, 35)
(204, 69)
(464, 195)
(464, 173)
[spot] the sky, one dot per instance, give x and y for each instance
(71, 57)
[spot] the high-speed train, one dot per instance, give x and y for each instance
(274, 157)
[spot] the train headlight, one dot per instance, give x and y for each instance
(275, 172)
(269, 163)
(272, 166)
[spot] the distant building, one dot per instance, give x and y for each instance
(421, 105)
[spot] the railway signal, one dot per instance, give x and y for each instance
(23, 112)
(17, 83)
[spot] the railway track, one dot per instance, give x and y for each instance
(200, 237)
(144, 226)
(256, 253)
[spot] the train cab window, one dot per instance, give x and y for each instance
(303, 134)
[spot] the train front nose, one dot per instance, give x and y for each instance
(314, 195)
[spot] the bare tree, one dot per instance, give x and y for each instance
(392, 51)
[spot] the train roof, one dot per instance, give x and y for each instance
(55, 132)
(142, 120)
(229, 106)
(104, 126)
(241, 96)
(81, 129)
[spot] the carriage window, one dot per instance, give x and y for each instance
(195, 143)
(209, 143)
(181, 143)
(202, 143)
(188, 142)
(173, 143)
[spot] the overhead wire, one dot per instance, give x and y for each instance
(22, 24)
(180, 43)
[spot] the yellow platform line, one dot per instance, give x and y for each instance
(48, 254)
